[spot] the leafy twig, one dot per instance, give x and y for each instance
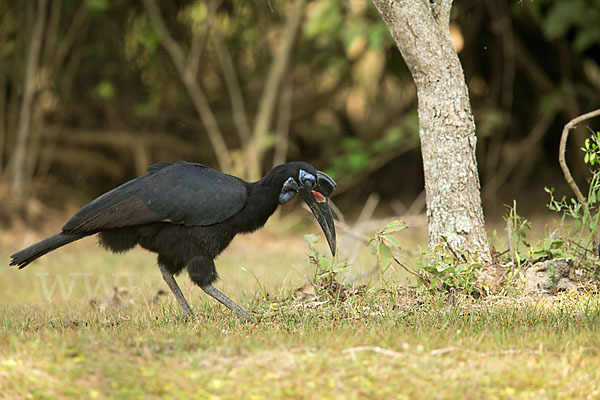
(563, 146)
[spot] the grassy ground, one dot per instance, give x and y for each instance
(383, 342)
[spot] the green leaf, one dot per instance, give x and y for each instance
(384, 255)
(311, 238)
(441, 267)
(97, 6)
(392, 240)
(105, 90)
(340, 268)
(394, 226)
(324, 262)
(378, 34)
(460, 268)
(563, 15)
(373, 249)
(586, 38)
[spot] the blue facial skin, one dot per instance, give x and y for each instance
(307, 180)
(288, 191)
(291, 187)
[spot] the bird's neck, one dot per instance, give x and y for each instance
(262, 202)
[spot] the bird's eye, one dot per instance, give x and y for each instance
(307, 180)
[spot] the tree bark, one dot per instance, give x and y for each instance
(447, 129)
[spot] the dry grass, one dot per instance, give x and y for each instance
(383, 342)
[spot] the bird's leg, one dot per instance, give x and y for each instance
(227, 302)
(186, 310)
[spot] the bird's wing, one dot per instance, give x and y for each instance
(187, 193)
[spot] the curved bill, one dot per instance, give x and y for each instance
(319, 205)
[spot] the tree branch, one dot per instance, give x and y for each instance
(70, 37)
(283, 123)
(240, 118)
(521, 150)
(562, 149)
(198, 42)
(25, 114)
(269, 95)
(190, 82)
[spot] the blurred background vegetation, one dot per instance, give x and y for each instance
(93, 91)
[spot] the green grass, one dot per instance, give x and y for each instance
(384, 342)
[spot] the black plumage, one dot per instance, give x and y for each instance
(188, 214)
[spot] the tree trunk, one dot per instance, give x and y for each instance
(447, 129)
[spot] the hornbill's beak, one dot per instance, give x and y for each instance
(319, 205)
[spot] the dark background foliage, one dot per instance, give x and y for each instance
(108, 97)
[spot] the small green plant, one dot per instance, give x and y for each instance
(548, 248)
(439, 270)
(521, 253)
(326, 270)
(516, 227)
(449, 270)
(583, 215)
(383, 242)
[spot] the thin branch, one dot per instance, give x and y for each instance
(240, 117)
(459, 257)
(521, 150)
(165, 37)
(528, 64)
(190, 82)
(269, 95)
(25, 114)
(51, 34)
(200, 35)
(72, 34)
(420, 277)
(562, 149)
(502, 28)
(4, 100)
(283, 123)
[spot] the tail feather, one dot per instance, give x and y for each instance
(35, 251)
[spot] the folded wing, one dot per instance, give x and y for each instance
(187, 193)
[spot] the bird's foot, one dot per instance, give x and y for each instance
(186, 311)
(227, 302)
(188, 315)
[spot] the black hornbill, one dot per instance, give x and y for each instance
(189, 213)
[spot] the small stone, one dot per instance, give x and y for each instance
(549, 276)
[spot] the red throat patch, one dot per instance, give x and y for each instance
(318, 197)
